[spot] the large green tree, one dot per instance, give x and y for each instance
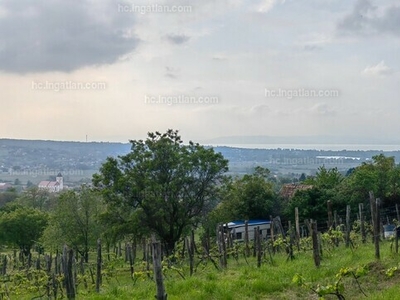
(167, 183)
(21, 226)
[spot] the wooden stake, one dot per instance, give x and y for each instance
(161, 295)
(317, 258)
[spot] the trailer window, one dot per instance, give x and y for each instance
(238, 235)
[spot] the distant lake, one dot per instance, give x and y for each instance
(332, 147)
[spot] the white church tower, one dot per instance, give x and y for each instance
(59, 179)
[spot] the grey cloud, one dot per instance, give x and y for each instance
(311, 48)
(365, 20)
(172, 73)
(41, 36)
(322, 109)
(177, 39)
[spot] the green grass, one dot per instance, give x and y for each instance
(243, 280)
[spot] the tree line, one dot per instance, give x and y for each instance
(168, 188)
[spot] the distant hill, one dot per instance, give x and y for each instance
(34, 154)
(35, 158)
(300, 140)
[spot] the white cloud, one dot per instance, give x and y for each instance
(266, 5)
(380, 69)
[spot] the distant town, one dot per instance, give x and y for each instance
(25, 163)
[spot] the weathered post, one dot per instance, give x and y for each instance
(296, 217)
(161, 295)
(255, 241)
(259, 251)
(272, 232)
(246, 238)
(221, 246)
(377, 229)
(348, 226)
(373, 212)
(292, 235)
(397, 212)
(396, 241)
(316, 256)
(329, 206)
(98, 269)
(362, 225)
(191, 252)
(68, 257)
(130, 258)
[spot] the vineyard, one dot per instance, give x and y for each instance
(276, 268)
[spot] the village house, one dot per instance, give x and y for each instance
(5, 186)
(288, 190)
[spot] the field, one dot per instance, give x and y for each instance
(241, 279)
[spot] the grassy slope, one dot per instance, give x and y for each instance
(243, 280)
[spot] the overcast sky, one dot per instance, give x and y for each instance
(248, 67)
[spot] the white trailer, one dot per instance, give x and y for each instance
(237, 229)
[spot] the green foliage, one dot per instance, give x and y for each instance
(8, 196)
(336, 287)
(75, 221)
(37, 198)
(21, 226)
(311, 204)
(381, 176)
(325, 178)
(171, 186)
(246, 198)
(391, 271)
